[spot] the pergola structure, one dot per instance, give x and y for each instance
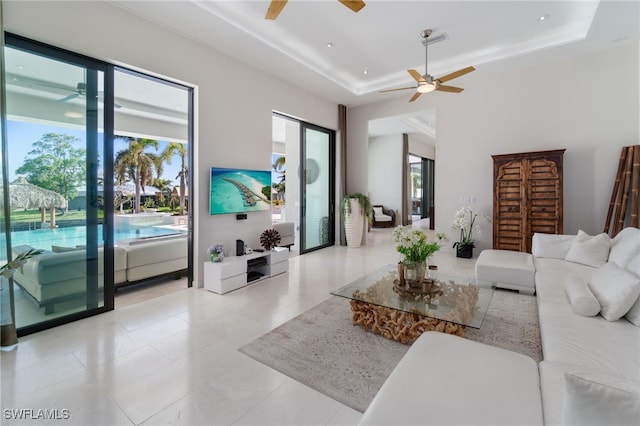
(25, 195)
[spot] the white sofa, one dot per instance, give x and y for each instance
(55, 277)
(590, 373)
(287, 231)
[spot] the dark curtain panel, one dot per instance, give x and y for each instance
(428, 175)
(342, 141)
(405, 211)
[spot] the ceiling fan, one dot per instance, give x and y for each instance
(276, 7)
(80, 90)
(426, 82)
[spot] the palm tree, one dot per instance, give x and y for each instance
(279, 168)
(167, 155)
(164, 186)
(137, 165)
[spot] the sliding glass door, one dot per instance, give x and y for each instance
(317, 183)
(58, 104)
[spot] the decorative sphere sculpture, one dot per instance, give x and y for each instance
(269, 239)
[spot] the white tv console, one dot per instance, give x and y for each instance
(237, 271)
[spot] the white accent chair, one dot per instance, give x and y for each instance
(383, 217)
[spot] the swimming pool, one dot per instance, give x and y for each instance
(77, 235)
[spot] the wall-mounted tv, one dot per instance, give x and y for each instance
(239, 190)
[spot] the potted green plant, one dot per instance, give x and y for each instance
(355, 210)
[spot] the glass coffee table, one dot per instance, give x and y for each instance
(382, 306)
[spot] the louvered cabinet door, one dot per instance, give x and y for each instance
(508, 223)
(544, 198)
(527, 197)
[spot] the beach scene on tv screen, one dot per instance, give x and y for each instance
(239, 190)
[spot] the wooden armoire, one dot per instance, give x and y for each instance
(527, 197)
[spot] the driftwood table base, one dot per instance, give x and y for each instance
(403, 327)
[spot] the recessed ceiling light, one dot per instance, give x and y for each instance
(73, 114)
(20, 67)
(329, 44)
(365, 72)
(543, 18)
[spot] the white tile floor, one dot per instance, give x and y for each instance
(173, 359)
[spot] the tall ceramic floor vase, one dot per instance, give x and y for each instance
(354, 224)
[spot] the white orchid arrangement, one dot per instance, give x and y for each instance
(414, 244)
(463, 221)
(9, 268)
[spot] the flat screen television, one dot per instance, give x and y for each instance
(239, 190)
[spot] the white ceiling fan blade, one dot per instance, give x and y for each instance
(68, 98)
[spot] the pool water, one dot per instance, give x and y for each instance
(77, 235)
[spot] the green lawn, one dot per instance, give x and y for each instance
(34, 215)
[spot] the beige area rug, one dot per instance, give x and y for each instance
(323, 350)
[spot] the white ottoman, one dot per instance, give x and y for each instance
(449, 380)
(508, 269)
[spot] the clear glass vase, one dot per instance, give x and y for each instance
(414, 272)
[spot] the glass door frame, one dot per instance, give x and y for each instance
(190, 160)
(332, 186)
(92, 67)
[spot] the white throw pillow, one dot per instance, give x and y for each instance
(377, 211)
(588, 250)
(583, 302)
(634, 313)
(625, 246)
(600, 399)
(634, 266)
(616, 290)
(552, 246)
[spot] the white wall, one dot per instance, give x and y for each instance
(233, 118)
(385, 172)
(422, 146)
(588, 105)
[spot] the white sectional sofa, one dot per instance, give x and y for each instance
(590, 373)
(55, 277)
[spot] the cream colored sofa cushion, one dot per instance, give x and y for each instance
(287, 233)
(51, 276)
(154, 258)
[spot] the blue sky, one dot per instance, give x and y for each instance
(22, 135)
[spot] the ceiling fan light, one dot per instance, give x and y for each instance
(426, 88)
